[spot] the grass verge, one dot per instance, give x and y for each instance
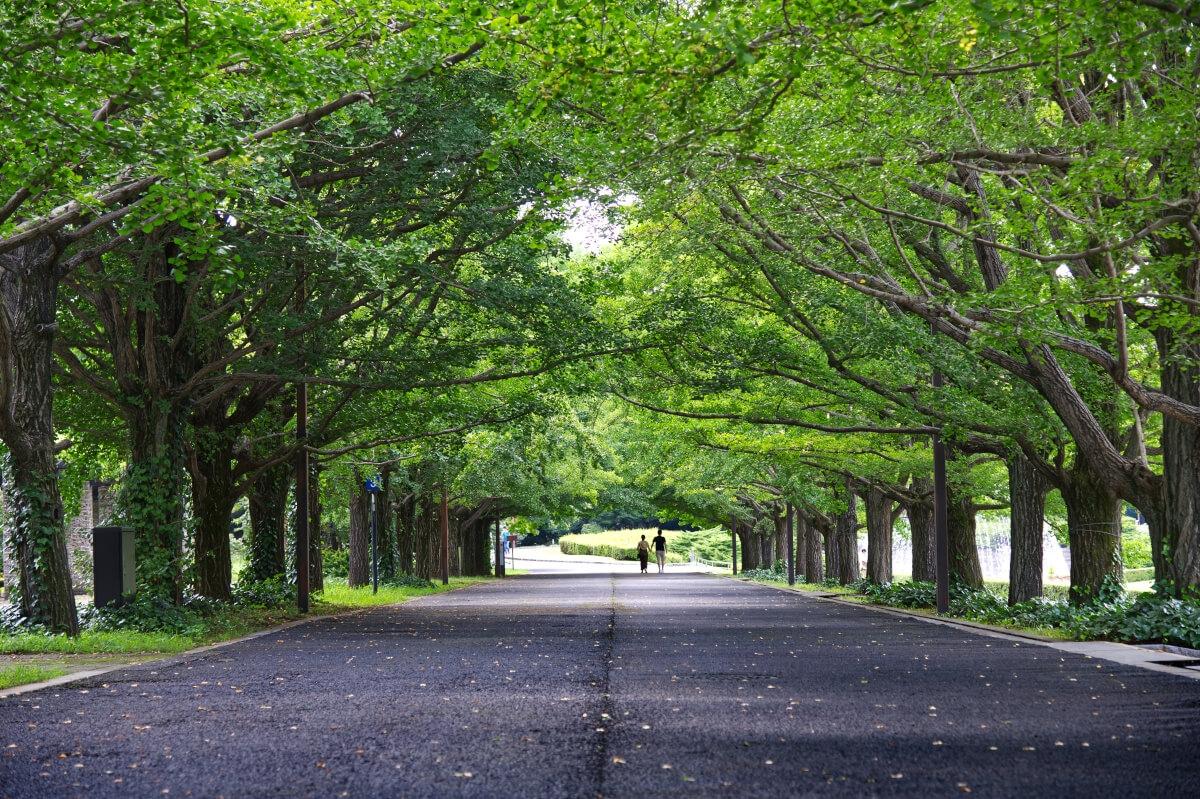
(231, 621)
(25, 673)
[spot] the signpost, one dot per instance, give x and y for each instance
(512, 547)
(372, 486)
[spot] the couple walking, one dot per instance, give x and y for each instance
(660, 551)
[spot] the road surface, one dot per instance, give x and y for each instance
(613, 685)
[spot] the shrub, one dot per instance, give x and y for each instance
(1113, 615)
(336, 562)
(1135, 550)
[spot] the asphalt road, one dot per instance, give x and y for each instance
(615, 685)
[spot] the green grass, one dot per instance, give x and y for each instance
(234, 623)
(339, 596)
(115, 642)
(710, 544)
(25, 673)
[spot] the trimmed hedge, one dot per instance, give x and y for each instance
(570, 545)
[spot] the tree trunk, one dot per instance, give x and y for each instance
(964, 553)
(766, 544)
(405, 509)
(1094, 530)
(151, 497)
(847, 538)
(213, 498)
(316, 559)
(780, 543)
(268, 516)
(383, 521)
(1027, 502)
(359, 573)
(1176, 542)
(813, 547)
(152, 359)
(920, 523)
(750, 550)
(427, 543)
(801, 552)
(879, 536)
(832, 555)
(34, 537)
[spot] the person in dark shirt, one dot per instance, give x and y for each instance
(660, 550)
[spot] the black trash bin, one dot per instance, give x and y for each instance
(112, 565)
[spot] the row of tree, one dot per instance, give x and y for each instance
(206, 204)
(873, 224)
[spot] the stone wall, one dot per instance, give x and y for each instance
(95, 508)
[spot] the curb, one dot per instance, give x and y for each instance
(1124, 654)
(179, 657)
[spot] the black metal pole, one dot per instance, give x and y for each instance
(791, 546)
(733, 540)
(941, 518)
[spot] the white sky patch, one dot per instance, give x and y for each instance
(589, 228)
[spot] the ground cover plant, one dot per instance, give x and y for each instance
(1114, 615)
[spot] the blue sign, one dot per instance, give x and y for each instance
(372, 485)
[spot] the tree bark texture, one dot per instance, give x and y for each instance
(213, 496)
(268, 522)
(316, 560)
(780, 554)
(920, 523)
(847, 540)
(964, 553)
(35, 537)
(751, 553)
(1177, 550)
(813, 550)
(427, 540)
(879, 536)
(1094, 531)
(1027, 503)
(383, 521)
(359, 571)
(405, 520)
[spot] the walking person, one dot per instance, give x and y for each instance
(660, 550)
(643, 549)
